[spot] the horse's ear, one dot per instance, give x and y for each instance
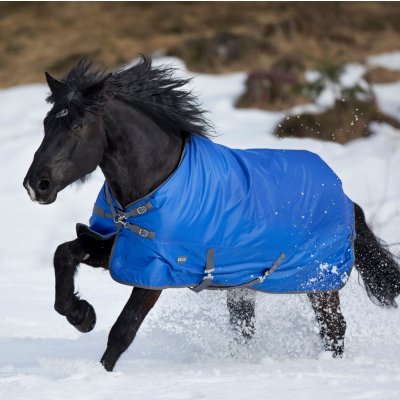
(96, 89)
(53, 83)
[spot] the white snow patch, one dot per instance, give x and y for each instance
(386, 60)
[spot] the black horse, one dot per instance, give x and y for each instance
(133, 123)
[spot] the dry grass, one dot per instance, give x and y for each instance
(382, 75)
(52, 36)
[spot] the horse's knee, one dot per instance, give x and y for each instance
(65, 254)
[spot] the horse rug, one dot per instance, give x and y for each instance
(272, 220)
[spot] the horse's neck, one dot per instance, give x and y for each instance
(138, 155)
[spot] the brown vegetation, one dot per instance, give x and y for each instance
(278, 88)
(213, 37)
(346, 120)
(382, 75)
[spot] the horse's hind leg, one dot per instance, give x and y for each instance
(67, 257)
(124, 330)
(241, 306)
(330, 319)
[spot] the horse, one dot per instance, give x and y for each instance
(134, 124)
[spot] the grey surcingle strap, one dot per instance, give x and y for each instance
(210, 268)
(265, 275)
(120, 218)
(208, 272)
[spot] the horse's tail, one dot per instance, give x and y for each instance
(378, 267)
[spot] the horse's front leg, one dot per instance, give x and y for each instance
(124, 330)
(67, 257)
(331, 321)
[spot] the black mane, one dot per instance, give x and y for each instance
(155, 91)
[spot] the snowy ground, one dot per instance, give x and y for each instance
(182, 350)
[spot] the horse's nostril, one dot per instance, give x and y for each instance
(43, 185)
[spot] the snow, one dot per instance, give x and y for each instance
(183, 349)
(386, 60)
(388, 98)
(352, 75)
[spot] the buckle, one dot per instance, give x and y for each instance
(143, 232)
(208, 277)
(121, 219)
(141, 210)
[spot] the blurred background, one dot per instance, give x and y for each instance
(274, 42)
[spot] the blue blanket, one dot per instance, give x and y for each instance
(274, 220)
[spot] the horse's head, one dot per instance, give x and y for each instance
(74, 136)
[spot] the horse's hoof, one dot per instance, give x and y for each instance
(83, 317)
(338, 353)
(107, 362)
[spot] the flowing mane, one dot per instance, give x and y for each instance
(155, 91)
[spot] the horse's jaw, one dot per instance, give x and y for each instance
(49, 201)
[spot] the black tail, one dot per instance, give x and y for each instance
(376, 265)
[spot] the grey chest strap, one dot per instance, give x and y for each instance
(121, 219)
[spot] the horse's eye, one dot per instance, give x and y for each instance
(76, 127)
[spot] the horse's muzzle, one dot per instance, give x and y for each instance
(42, 191)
